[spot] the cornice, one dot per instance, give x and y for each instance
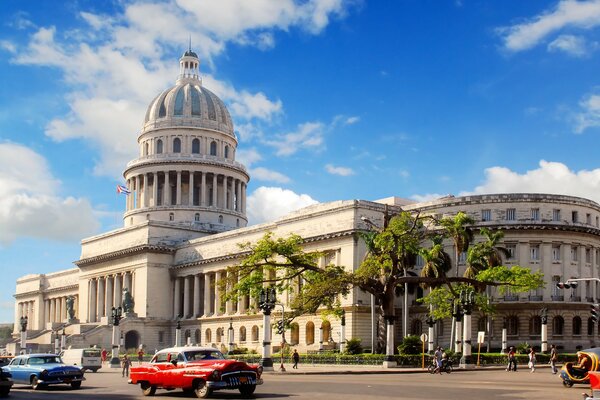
(52, 290)
(144, 248)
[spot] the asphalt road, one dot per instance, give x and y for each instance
(475, 385)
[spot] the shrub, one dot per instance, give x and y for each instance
(353, 346)
(410, 345)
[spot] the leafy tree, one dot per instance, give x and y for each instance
(410, 345)
(354, 346)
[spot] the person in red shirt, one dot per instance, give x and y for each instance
(512, 360)
(140, 355)
(104, 354)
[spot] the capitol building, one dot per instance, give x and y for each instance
(186, 216)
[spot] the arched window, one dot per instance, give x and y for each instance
(237, 222)
(558, 325)
(179, 103)
(295, 334)
(196, 146)
(219, 336)
(220, 219)
(326, 326)
(512, 325)
(171, 217)
(146, 148)
(255, 333)
(195, 102)
(577, 325)
(187, 336)
(162, 112)
(213, 148)
(416, 328)
(197, 336)
(159, 146)
(310, 332)
(590, 326)
(208, 336)
(535, 325)
(147, 217)
(197, 217)
(226, 151)
(176, 145)
(243, 334)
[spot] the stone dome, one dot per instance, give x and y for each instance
(188, 103)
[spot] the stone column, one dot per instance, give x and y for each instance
(52, 310)
(109, 295)
(177, 300)
(191, 188)
(178, 199)
(237, 195)
(186, 297)
(146, 189)
(167, 190)
(207, 305)
(46, 311)
(101, 293)
(63, 308)
(197, 295)
(243, 199)
(214, 191)
(127, 281)
(118, 290)
(92, 301)
(217, 294)
(203, 189)
(155, 189)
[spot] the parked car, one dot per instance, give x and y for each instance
(89, 359)
(198, 370)
(6, 382)
(40, 370)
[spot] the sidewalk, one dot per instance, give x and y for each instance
(336, 369)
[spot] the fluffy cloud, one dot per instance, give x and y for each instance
(29, 200)
(589, 116)
(264, 174)
(568, 13)
(341, 171)
(269, 203)
(125, 67)
(308, 136)
(573, 45)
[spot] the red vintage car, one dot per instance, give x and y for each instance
(199, 370)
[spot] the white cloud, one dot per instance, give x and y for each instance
(264, 174)
(573, 45)
(589, 116)
(341, 171)
(568, 13)
(270, 203)
(248, 156)
(29, 200)
(114, 67)
(309, 135)
(550, 177)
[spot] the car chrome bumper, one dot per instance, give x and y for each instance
(60, 380)
(225, 385)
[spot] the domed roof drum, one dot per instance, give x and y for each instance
(188, 103)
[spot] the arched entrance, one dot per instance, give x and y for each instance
(132, 340)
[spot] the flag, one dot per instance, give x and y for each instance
(122, 189)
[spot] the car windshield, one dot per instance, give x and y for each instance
(91, 353)
(203, 355)
(44, 360)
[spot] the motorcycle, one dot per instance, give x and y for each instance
(447, 366)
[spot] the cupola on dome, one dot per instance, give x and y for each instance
(188, 103)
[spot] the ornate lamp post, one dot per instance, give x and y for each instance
(63, 339)
(430, 323)
(504, 341)
(457, 313)
(544, 317)
(230, 331)
(343, 332)
(116, 315)
(467, 301)
(266, 304)
(23, 322)
(178, 332)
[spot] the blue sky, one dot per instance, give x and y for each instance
(331, 99)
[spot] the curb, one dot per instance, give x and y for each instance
(382, 371)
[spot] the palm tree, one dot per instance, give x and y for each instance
(484, 255)
(457, 229)
(436, 261)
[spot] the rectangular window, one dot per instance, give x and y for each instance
(535, 214)
(574, 216)
(588, 256)
(574, 253)
(511, 214)
(556, 253)
(556, 215)
(161, 336)
(588, 219)
(555, 290)
(512, 251)
(535, 252)
(486, 215)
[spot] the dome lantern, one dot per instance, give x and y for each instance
(189, 67)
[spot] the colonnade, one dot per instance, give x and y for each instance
(208, 189)
(106, 292)
(25, 309)
(55, 309)
(199, 295)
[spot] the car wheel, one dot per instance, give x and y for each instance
(202, 390)
(76, 385)
(567, 383)
(4, 391)
(35, 383)
(147, 389)
(247, 390)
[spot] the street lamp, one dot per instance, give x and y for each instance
(230, 335)
(467, 301)
(23, 322)
(457, 314)
(430, 320)
(544, 318)
(343, 332)
(116, 315)
(266, 304)
(63, 339)
(56, 342)
(178, 331)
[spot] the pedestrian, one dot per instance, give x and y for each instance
(103, 354)
(295, 358)
(553, 358)
(512, 360)
(437, 357)
(125, 362)
(531, 363)
(140, 356)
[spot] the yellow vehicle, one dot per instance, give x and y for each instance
(578, 372)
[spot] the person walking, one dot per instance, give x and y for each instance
(512, 360)
(532, 359)
(295, 358)
(104, 354)
(553, 358)
(125, 363)
(140, 355)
